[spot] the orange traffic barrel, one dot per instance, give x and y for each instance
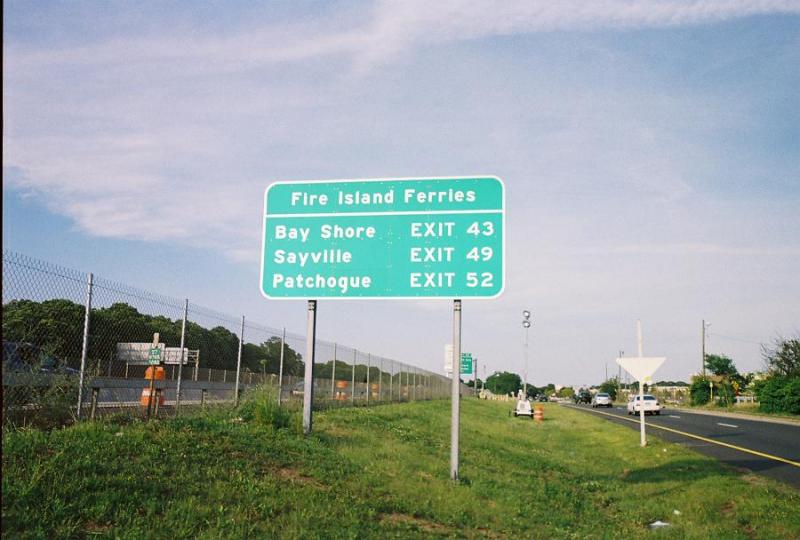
(538, 413)
(157, 373)
(341, 390)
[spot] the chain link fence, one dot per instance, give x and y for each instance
(76, 345)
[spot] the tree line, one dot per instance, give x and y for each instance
(777, 390)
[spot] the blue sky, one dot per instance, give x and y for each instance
(651, 154)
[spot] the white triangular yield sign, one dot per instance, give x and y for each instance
(641, 368)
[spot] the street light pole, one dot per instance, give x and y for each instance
(526, 324)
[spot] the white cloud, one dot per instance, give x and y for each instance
(400, 25)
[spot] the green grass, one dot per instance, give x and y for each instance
(375, 473)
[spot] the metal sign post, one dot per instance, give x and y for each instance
(308, 380)
(153, 358)
(455, 411)
(642, 369)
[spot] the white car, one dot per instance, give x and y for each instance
(601, 399)
(651, 405)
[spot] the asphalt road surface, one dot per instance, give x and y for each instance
(767, 448)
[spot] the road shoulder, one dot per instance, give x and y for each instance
(739, 416)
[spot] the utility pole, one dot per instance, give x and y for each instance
(526, 323)
(703, 333)
(643, 440)
(476, 376)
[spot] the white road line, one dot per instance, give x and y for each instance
(726, 425)
(674, 416)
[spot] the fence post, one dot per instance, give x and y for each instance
(180, 362)
(280, 369)
(391, 377)
(369, 362)
(415, 384)
(380, 379)
(85, 348)
(353, 381)
(333, 373)
(238, 366)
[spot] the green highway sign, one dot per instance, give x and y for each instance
(154, 356)
(466, 363)
(384, 238)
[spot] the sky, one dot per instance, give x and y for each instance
(650, 152)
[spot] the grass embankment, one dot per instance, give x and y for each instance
(377, 472)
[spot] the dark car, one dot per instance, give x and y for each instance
(583, 396)
(541, 397)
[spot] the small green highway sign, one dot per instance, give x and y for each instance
(466, 363)
(384, 238)
(154, 356)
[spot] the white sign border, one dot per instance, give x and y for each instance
(386, 298)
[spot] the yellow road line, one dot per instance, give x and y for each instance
(704, 439)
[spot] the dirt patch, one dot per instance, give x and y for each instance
(294, 476)
(93, 527)
(748, 531)
(728, 508)
(754, 479)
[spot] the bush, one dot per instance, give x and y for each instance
(699, 391)
(725, 394)
(260, 406)
(779, 394)
(44, 407)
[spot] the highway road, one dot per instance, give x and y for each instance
(768, 448)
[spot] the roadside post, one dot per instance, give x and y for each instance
(238, 365)
(333, 374)
(183, 357)
(85, 345)
(642, 369)
(280, 368)
(475, 377)
(455, 410)
(153, 359)
(387, 238)
(308, 385)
